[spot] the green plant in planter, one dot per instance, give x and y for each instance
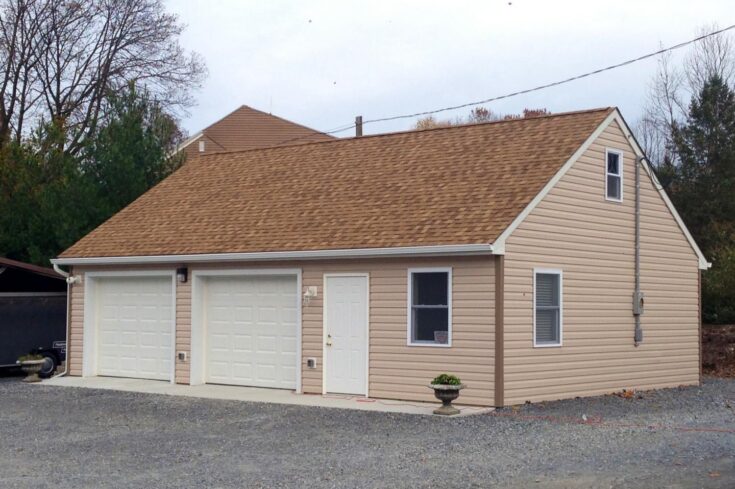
(446, 389)
(446, 379)
(30, 357)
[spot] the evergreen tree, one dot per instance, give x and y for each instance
(702, 186)
(50, 198)
(132, 153)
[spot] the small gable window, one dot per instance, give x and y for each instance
(430, 306)
(614, 175)
(202, 146)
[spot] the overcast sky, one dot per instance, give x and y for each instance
(320, 63)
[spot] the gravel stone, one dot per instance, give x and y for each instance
(65, 437)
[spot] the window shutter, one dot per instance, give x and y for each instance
(547, 310)
(547, 321)
(547, 290)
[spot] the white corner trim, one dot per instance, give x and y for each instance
(435, 250)
(499, 244)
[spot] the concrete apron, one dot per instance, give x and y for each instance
(257, 394)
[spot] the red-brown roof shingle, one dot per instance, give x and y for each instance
(457, 185)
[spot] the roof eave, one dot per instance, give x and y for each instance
(614, 115)
(403, 251)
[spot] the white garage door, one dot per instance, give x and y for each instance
(250, 331)
(134, 325)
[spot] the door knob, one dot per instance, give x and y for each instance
(329, 340)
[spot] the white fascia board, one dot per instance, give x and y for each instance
(188, 142)
(499, 245)
(438, 250)
(703, 263)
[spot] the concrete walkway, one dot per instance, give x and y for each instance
(255, 394)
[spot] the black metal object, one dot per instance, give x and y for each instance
(32, 324)
(32, 312)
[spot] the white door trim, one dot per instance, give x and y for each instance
(90, 352)
(366, 276)
(198, 358)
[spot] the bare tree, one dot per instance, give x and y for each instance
(711, 56)
(477, 115)
(20, 24)
(76, 52)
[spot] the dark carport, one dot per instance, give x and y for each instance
(32, 313)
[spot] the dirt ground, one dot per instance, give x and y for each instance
(718, 350)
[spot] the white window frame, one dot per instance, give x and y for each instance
(550, 271)
(620, 167)
(409, 309)
(202, 145)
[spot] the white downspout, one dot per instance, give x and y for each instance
(69, 281)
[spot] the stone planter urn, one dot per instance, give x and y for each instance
(446, 393)
(31, 369)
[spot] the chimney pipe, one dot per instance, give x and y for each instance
(358, 126)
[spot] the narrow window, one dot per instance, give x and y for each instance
(547, 319)
(614, 175)
(429, 307)
(201, 146)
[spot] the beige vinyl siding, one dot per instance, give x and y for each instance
(396, 371)
(183, 330)
(75, 347)
(592, 241)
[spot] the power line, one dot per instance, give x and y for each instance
(528, 90)
(556, 83)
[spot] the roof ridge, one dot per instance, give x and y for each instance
(223, 117)
(411, 131)
(316, 131)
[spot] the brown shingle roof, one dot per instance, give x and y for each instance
(457, 185)
(248, 128)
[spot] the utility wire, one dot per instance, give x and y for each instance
(523, 92)
(556, 83)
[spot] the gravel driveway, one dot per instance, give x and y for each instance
(83, 438)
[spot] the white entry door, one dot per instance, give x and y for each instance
(134, 317)
(250, 324)
(346, 334)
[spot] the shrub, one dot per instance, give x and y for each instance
(446, 379)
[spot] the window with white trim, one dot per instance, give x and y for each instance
(430, 307)
(547, 307)
(613, 175)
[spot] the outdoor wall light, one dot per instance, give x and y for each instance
(182, 275)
